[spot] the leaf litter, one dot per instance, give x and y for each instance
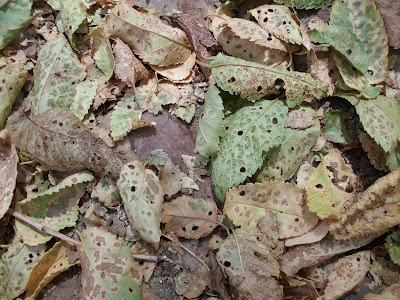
(78, 90)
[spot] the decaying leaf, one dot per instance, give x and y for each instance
(334, 130)
(102, 52)
(152, 40)
(72, 13)
(376, 209)
(59, 140)
(142, 197)
(145, 268)
(313, 236)
(389, 293)
(323, 68)
(8, 171)
(107, 192)
(252, 131)
(330, 186)
(108, 269)
(12, 79)
(189, 217)
(253, 81)
(51, 264)
(178, 73)
(83, 100)
(191, 285)
(247, 264)
(16, 266)
(305, 4)
(57, 72)
(171, 178)
(347, 274)
(393, 246)
(377, 156)
(300, 118)
(55, 208)
(390, 10)
(247, 204)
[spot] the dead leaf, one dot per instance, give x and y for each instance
(171, 178)
(321, 66)
(313, 236)
(146, 268)
(299, 119)
(191, 285)
(390, 11)
(189, 217)
(376, 154)
(107, 192)
(178, 73)
(390, 293)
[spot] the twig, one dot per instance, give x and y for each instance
(145, 257)
(41, 227)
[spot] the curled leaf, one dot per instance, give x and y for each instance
(313, 236)
(73, 13)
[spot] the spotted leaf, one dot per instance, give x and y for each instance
(73, 13)
(305, 4)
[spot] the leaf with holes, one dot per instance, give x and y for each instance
(330, 186)
(246, 204)
(152, 40)
(247, 262)
(305, 4)
(83, 100)
(16, 266)
(189, 217)
(8, 171)
(282, 161)
(357, 32)
(15, 15)
(253, 81)
(12, 78)
(72, 13)
(57, 72)
(55, 208)
(253, 130)
(60, 141)
(142, 197)
(108, 269)
(277, 19)
(375, 210)
(102, 52)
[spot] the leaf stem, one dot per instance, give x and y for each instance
(41, 227)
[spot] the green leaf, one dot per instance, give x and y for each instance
(282, 162)
(158, 157)
(142, 197)
(305, 4)
(334, 130)
(186, 113)
(253, 81)
(108, 268)
(207, 142)
(151, 39)
(12, 79)
(251, 132)
(102, 51)
(73, 13)
(85, 93)
(57, 73)
(16, 266)
(15, 15)
(55, 208)
(380, 118)
(393, 246)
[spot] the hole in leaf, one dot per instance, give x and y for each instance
(210, 213)
(131, 167)
(242, 193)
(275, 121)
(265, 19)
(240, 132)
(348, 51)
(133, 188)
(284, 23)
(227, 264)
(370, 72)
(141, 263)
(195, 227)
(319, 186)
(184, 228)
(259, 88)
(242, 169)
(270, 10)
(130, 290)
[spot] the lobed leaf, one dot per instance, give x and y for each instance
(60, 141)
(142, 197)
(55, 208)
(189, 217)
(153, 41)
(305, 4)
(108, 269)
(253, 81)
(252, 131)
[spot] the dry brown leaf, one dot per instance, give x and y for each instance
(390, 11)
(299, 119)
(313, 236)
(189, 217)
(128, 68)
(146, 268)
(178, 73)
(107, 192)
(323, 67)
(171, 178)
(348, 274)
(390, 293)
(108, 92)
(8, 171)
(59, 140)
(191, 285)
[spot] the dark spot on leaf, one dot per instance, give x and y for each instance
(319, 186)
(195, 227)
(133, 188)
(275, 121)
(240, 132)
(227, 264)
(242, 169)
(242, 193)
(259, 88)
(265, 19)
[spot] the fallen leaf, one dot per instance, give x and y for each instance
(389, 293)
(305, 4)
(72, 14)
(158, 157)
(323, 68)
(145, 268)
(299, 119)
(107, 192)
(171, 178)
(313, 236)
(389, 11)
(334, 130)
(189, 217)
(393, 246)
(377, 156)
(142, 198)
(108, 269)
(304, 174)
(83, 100)
(8, 171)
(191, 285)
(178, 73)
(102, 52)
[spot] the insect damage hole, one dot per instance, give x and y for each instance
(242, 169)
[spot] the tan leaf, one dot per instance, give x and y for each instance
(146, 268)
(8, 171)
(389, 293)
(313, 236)
(348, 273)
(107, 192)
(178, 73)
(192, 284)
(171, 178)
(299, 119)
(323, 68)
(189, 217)
(128, 68)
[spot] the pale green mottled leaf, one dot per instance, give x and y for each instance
(282, 161)
(393, 246)
(380, 118)
(58, 71)
(102, 52)
(85, 92)
(55, 208)
(334, 128)
(330, 186)
(15, 15)
(253, 81)
(12, 79)
(207, 142)
(142, 197)
(158, 158)
(152, 40)
(108, 269)
(252, 131)
(185, 113)
(305, 4)
(73, 13)
(16, 266)
(278, 20)
(377, 156)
